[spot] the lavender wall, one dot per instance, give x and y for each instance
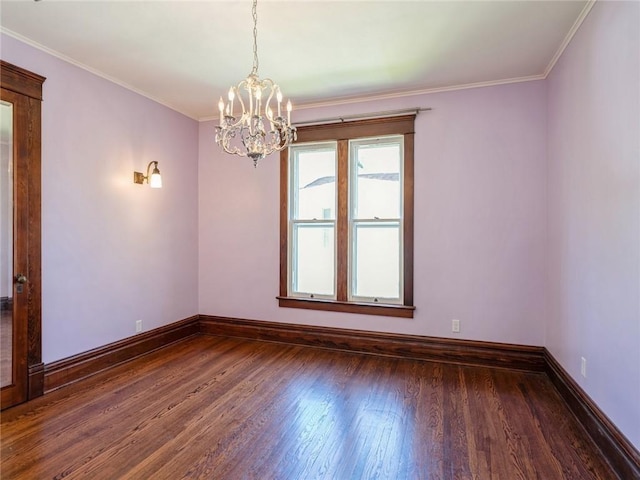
(594, 211)
(480, 224)
(112, 252)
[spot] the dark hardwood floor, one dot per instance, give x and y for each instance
(220, 408)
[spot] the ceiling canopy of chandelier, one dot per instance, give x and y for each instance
(261, 127)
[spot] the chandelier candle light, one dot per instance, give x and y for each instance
(247, 135)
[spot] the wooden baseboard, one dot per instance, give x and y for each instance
(619, 452)
(36, 381)
(463, 352)
(77, 367)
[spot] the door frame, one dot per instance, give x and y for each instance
(27, 90)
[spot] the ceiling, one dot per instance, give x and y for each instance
(185, 54)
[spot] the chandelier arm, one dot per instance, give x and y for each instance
(234, 126)
(244, 108)
(225, 143)
(267, 106)
(275, 142)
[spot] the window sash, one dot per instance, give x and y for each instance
(354, 146)
(295, 222)
(294, 274)
(395, 224)
(297, 150)
(355, 220)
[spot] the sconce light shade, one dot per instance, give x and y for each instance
(154, 180)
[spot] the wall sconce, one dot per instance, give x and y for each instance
(154, 181)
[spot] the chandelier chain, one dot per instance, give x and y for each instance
(254, 12)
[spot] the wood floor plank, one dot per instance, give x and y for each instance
(224, 408)
(220, 401)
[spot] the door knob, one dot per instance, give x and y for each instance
(20, 278)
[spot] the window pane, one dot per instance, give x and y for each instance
(377, 185)
(313, 259)
(376, 260)
(314, 182)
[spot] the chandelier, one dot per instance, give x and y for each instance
(259, 130)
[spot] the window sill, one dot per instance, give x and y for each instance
(387, 310)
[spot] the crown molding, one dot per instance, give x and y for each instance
(424, 91)
(403, 94)
(567, 39)
(64, 58)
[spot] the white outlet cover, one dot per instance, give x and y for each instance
(455, 326)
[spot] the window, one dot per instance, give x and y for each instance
(346, 218)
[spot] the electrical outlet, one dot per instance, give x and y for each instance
(583, 367)
(138, 326)
(455, 326)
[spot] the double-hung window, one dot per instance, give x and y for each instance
(347, 218)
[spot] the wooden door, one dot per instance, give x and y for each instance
(22, 372)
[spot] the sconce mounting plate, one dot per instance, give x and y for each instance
(138, 177)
